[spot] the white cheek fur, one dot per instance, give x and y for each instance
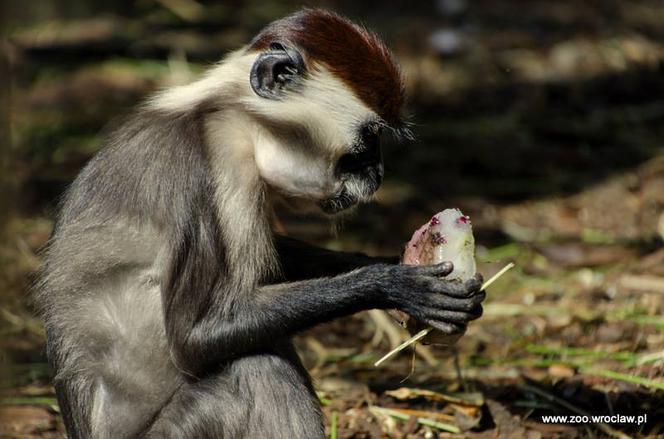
(228, 80)
(326, 107)
(329, 111)
(331, 114)
(292, 172)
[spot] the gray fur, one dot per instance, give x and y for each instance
(169, 304)
(100, 295)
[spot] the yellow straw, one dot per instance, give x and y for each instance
(420, 335)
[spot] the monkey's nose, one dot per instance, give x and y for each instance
(355, 163)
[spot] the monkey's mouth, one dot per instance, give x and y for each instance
(357, 187)
(340, 202)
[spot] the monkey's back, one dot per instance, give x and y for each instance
(100, 299)
(100, 295)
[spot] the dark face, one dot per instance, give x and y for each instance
(347, 74)
(360, 170)
(280, 75)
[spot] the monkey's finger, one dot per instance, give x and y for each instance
(457, 317)
(475, 283)
(442, 269)
(453, 288)
(467, 304)
(447, 328)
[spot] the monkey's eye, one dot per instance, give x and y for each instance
(371, 135)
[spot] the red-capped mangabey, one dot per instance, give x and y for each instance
(169, 303)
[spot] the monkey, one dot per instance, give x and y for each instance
(169, 302)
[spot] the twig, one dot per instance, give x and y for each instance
(423, 333)
(404, 345)
(495, 277)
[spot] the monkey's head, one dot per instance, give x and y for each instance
(323, 90)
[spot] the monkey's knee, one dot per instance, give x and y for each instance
(205, 410)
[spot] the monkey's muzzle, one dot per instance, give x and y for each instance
(361, 179)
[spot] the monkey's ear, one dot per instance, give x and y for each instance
(276, 70)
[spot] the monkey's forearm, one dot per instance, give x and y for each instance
(272, 312)
(256, 319)
(300, 260)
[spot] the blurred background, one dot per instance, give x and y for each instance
(542, 120)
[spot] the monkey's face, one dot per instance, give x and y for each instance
(360, 171)
(316, 139)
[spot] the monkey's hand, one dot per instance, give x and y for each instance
(424, 293)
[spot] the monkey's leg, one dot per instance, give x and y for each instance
(266, 395)
(100, 403)
(300, 260)
(110, 354)
(73, 400)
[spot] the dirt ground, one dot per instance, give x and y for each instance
(546, 126)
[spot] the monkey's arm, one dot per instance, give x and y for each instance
(300, 260)
(227, 325)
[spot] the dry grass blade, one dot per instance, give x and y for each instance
(406, 393)
(397, 414)
(495, 277)
(423, 333)
(334, 425)
(417, 337)
(628, 378)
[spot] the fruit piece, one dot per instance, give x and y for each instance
(448, 236)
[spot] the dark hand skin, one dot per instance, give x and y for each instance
(423, 293)
(420, 291)
(318, 286)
